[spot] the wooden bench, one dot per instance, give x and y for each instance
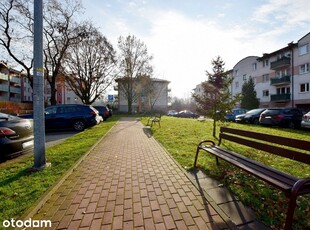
(281, 146)
(154, 119)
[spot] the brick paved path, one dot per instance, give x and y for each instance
(128, 181)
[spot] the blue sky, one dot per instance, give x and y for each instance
(184, 36)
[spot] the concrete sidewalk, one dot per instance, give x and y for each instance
(129, 181)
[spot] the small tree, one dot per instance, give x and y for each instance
(216, 98)
(249, 99)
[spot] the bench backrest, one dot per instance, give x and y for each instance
(265, 143)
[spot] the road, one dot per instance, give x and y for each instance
(51, 139)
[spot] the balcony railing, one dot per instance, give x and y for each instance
(4, 88)
(3, 76)
(280, 97)
(285, 61)
(15, 79)
(281, 81)
(15, 90)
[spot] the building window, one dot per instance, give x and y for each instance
(254, 65)
(244, 77)
(266, 78)
(303, 49)
(266, 63)
(266, 93)
(304, 87)
(237, 84)
(304, 68)
(284, 90)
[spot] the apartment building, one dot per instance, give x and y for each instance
(16, 87)
(281, 78)
(10, 83)
(155, 98)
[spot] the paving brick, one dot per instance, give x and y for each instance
(118, 222)
(138, 220)
(96, 224)
(181, 225)
(65, 222)
(87, 220)
(74, 224)
(169, 222)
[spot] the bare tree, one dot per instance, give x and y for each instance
(60, 31)
(134, 62)
(91, 66)
(16, 35)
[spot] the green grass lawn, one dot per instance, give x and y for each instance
(21, 187)
(180, 137)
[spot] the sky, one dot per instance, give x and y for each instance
(183, 36)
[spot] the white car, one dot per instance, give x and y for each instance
(305, 123)
(172, 113)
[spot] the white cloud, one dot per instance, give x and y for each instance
(288, 12)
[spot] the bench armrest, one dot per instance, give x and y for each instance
(199, 146)
(205, 141)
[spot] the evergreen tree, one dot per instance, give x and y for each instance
(216, 98)
(249, 99)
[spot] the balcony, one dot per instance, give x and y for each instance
(281, 81)
(4, 88)
(4, 76)
(15, 80)
(280, 97)
(285, 61)
(15, 90)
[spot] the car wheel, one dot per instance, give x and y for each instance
(79, 125)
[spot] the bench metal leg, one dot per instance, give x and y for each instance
(292, 203)
(196, 157)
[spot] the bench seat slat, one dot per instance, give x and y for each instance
(279, 179)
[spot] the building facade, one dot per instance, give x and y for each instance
(281, 78)
(10, 84)
(152, 98)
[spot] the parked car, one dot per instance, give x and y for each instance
(70, 116)
(16, 135)
(305, 123)
(104, 112)
(251, 116)
(231, 116)
(172, 113)
(187, 114)
(285, 117)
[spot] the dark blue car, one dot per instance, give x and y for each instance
(70, 116)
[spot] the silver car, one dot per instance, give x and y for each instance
(305, 123)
